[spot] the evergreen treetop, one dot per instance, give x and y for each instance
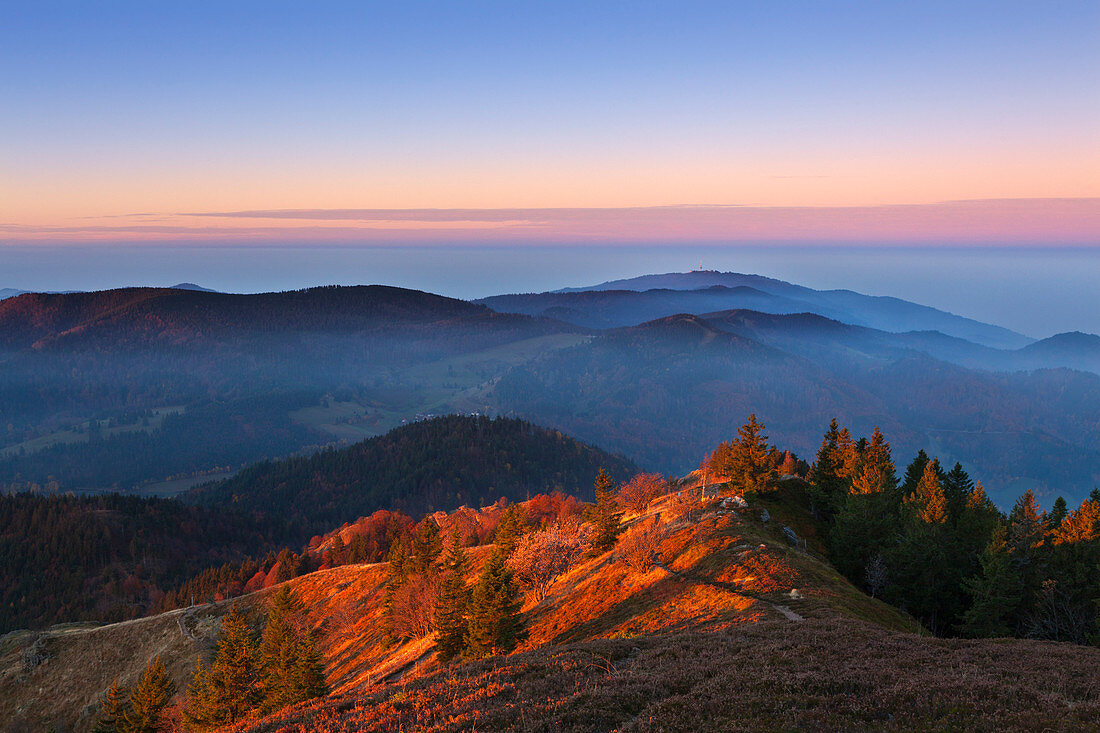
(452, 604)
(495, 624)
(148, 699)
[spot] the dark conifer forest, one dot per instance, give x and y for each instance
(110, 557)
(425, 466)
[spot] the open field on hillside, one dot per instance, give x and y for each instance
(456, 384)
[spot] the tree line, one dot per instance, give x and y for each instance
(933, 544)
(248, 675)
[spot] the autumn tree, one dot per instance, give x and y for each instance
(1080, 525)
(637, 493)
(453, 602)
(876, 473)
(200, 713)
(544, 555)
(495, 624)
(928, 499)
(1025, 524)
(640, 547)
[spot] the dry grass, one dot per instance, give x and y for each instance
(822, 675)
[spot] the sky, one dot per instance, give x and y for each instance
(552, 123)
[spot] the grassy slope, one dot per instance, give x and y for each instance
(701, 642)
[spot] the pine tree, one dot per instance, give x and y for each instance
(424, 548)
(451, 607)
(605, 514)
(234, 675)
(148, 699)
(338, 552)
(1025, 524)
(828, 486)
(1058, 512)
(751, 465)
(513, 523)
(280, 648)
(996, 592)
(309, 672)
(913, 473)
(397, 574)
(199, 714)
(112, 712)
(864, 528)
(495, 625)
(957, 486)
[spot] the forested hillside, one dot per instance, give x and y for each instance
(665, 391)
(425, 466)
(241, 362)
(110, 557)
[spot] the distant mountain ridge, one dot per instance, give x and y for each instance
(884, 313)
(662, 391)
(165, 315)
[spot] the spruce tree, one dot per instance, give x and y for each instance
(913, 473)
(957, 486)
(424, 548)
(452, 605)
(309, 672)
(234, 675)
(338, 552)
(279, 651)
(112, 711)
(148, 699)
(396, 575)
(513, 523)
(828, 487)
(751, 465)
(605, 514)
(495, 625)
(995, 593)
(1058, 512)
(200, 714)
(1025, 524)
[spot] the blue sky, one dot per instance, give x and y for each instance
(119, 108)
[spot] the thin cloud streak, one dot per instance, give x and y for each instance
(1068, 221)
